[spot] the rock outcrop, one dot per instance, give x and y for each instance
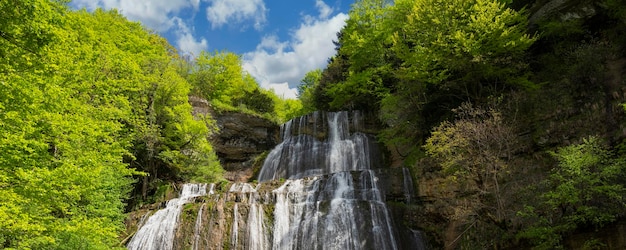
(240, 139)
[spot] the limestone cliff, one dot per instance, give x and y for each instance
(239, 140)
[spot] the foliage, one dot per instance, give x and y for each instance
(431, 70)
(219, 77)
(413, 61)
(306, 90)
(287, 109)
(585, 191)
(458, 43)
(88, 102)
(476, 148)
(452, 52)
(364, 57)
(24, 38)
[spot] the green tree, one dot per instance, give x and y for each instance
(220, 78)
(26, 30)
(74, 124)
(585, 190)
(306, 89)
(364, 44)
(451, 52)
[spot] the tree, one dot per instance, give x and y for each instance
(585, 190)
(306, 89)
(364, 62)
(475, 148)
(450, 52)
(27, 28)
(220, 78)
(76, 124)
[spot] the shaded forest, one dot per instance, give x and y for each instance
(509, 113)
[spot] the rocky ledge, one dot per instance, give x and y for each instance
(240, 139)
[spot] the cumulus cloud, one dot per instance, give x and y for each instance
(154, 14)
(221, 12)
(158, 15)
(282, 64)
(185, 41)
(323, 8)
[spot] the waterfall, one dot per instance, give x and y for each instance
(198, 227)
(318, 189)
(407, 184)
(331, 200)
(158, 231)
(302, 153)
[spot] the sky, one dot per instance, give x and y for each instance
(279, 40)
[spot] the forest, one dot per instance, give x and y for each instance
(512, 109)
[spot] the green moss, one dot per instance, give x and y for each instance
(269, 214)
(186, 226)
(258, 165)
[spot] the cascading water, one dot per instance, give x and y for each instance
(302, 154)
(158, 231)
(330, 198)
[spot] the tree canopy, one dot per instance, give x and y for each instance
(90, 103)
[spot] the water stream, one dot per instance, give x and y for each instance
(327, 197)
(158, 231)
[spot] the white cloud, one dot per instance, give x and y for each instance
(158, 15)
(283, 90)
(276, 64)
(154, 14)
(221, 12)
(323, 8)
(185, 41)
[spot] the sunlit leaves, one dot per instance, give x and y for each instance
(460, 37)
(79, 94)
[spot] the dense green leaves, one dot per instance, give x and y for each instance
(586, 191)
(219, 77)
(88, 102)
(413, 61)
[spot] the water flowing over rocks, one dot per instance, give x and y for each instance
(323, 187)
(158, 231)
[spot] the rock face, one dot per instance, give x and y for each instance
(240, 139)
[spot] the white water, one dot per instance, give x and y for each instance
(330, 200)
(408, 185)
(197, 228)
(158, 231)
(301, 154)
(255, 228)
(234, 231)
(339, 205)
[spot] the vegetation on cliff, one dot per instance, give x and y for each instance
(514, 106)
(219, 77)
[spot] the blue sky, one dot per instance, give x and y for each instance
(279, 40)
